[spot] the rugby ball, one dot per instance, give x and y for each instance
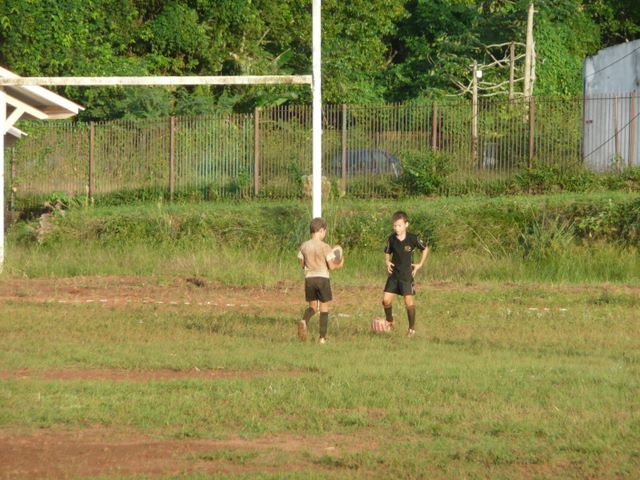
(380, 325)
(337, 253)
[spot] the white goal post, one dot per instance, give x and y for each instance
(157, 81)
(313, 80)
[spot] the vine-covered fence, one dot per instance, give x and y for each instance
(267, 153)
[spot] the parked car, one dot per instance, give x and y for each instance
(366, 161)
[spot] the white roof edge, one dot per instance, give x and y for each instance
(48, 95)
(55, 98)
(16, 132)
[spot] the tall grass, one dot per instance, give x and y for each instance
(573, 238)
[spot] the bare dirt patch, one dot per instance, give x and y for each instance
(103, 452)
(125, 290)
(137, 375)
(175, 292)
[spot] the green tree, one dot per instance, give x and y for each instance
(356, 51)
(440, 39)
(617, 20)
(373, 50)
(434, 46)
(72, 37)
(565, 35)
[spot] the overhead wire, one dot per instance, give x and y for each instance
(612, 137)
(614, 62)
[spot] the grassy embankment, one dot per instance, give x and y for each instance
(560, 238)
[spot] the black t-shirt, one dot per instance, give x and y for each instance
(402, 253)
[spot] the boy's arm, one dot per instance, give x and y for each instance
(417, 266)
(334, 266)
(387, 262)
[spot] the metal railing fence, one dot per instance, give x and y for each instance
(268, 153)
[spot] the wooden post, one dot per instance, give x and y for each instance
(256, 151)
(434, 126)
(172, 158)
(512, 68)
(12, 180)
(632, 130)
(343, 172)
(474, 117)
(92, 135)
(528, 58)
(532, 130)
(532, 79)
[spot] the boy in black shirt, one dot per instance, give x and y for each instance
(398, 256)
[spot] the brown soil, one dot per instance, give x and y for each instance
(115, 291)
(118, 292)
(136, 375)
(122, 290)
(62, 454)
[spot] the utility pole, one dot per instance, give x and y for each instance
(533, 66)
(512, 69)
(528, 59)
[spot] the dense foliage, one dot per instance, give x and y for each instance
(373, 50)
(519, 228)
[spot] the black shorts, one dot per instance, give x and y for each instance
(400, 287)
(317, 288)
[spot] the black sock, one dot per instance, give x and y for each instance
(308, 313)
(324, 324)
(388, 313)
(411, 315)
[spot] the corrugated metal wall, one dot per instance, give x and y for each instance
(612, 132)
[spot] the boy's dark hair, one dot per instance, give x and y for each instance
(317, 224)
(400, 215)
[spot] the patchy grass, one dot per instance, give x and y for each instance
(502, 381)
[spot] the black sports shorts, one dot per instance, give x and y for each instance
(317, 288)
(400, 287)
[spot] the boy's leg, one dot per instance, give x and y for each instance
(306, 316)
(324, 320)
(411, 313)
(310, 311)
(387, 304)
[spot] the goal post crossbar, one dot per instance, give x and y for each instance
(158, 81)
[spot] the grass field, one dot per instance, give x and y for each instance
(502, 381)
(526, 364)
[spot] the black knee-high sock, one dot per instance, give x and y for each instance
(308, 313)
(411, 315)
(388, 313)
(324, 324)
